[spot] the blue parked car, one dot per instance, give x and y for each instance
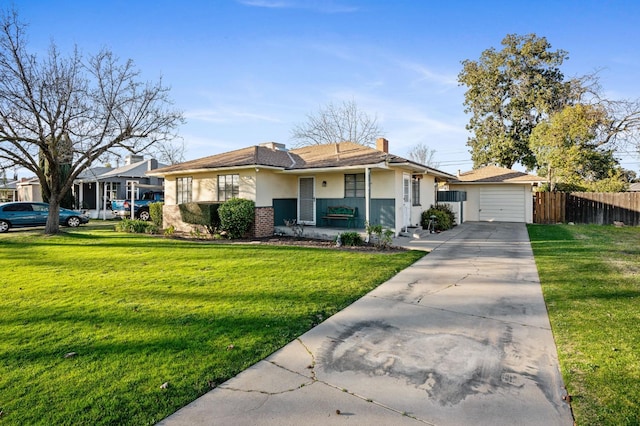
(21, 214)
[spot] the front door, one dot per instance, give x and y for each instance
(307, 201)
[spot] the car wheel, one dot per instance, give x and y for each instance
(144, 215)
(4, 226)
(73, 221)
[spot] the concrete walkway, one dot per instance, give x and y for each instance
(462, 337)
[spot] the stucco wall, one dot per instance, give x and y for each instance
(334, 185)
(272, 185)
(427, 198)
(205, 186)
(383, 183)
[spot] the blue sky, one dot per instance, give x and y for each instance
(245, 72)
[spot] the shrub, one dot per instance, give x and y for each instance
(155, 210)
(136, 226)
(351, 239)
(445, 218)
(386, 239)
(236, 216)
(383, 237)
(204, 214)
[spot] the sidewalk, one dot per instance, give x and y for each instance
(460, 337)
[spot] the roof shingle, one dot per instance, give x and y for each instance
(343, 154)
(495, 174)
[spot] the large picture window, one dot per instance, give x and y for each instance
(228, 187)
(354, 185)
(184, 189)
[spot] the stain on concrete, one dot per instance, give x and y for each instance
(448, 367)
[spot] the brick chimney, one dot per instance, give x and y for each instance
(382, 145)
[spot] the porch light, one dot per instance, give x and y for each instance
(324, 183)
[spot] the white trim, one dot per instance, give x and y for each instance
(367, 195)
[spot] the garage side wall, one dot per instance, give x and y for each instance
(472, 205)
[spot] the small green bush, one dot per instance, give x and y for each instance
(155, 210)
(205, 214)
(236, 216)
(351, 239)
(136, 227)
(445, 218)
(383, 237)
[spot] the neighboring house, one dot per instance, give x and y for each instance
(87, 190)
(29, 189)
(8, 191)
(303, 183)
(497, 194)
(94, 188)
(634, 187)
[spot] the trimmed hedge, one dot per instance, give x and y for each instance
(351, 239)
(205, 214)
(155, 210)
(236, 216)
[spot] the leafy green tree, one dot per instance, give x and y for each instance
(508, 93)
(570, 153)
(60, 113)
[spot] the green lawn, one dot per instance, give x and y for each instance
(591, 282)
(141, 311)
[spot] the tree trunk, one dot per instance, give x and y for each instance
(53, 220)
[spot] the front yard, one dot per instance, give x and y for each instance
(590, 277)
(106, 328)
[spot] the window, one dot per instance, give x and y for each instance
(354, 185)
(40, 207)
(184, 190)
(130, 184)
(20, 207)
(113, 188)
(415, 190)
(228, 187)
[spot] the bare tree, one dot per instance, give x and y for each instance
(169, 152)
(337, 123)
(422, 154)
(61, 113)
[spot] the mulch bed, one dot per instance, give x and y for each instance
(296, 242)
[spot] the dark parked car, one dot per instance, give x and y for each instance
(26, 213)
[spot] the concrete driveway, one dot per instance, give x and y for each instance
(461, 337)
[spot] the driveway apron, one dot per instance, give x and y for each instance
(461, 337)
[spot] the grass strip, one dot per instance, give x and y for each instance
(139, 311)
(590, 278)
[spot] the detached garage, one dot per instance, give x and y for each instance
(496, 194)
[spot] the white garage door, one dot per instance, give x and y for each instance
(503, 204)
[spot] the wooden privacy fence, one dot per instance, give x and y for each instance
(602, 208)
